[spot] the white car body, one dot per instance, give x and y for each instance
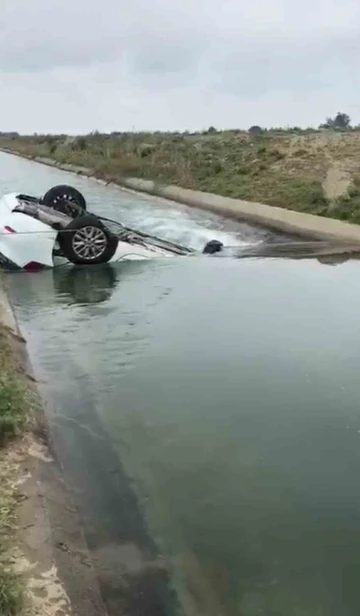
(25, 240)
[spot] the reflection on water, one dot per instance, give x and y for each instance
(85, 285)
(224, 395)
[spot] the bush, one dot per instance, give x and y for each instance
(217, 168)
(146, 150)
(12, 408)
(11, 599)
(80, 144)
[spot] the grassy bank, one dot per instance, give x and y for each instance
(309, 171)
(14, 406)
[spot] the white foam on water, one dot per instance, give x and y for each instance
(187, 226)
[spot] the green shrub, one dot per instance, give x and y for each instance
(11, 599)
(12, 406)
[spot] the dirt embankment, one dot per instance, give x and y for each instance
(44, 567)
(315, 172)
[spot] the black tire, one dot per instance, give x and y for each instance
(86, 241)
(65, 199)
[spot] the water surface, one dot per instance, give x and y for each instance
(207, 413)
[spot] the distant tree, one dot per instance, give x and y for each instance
(212, 130)
(341, 120)
(256, 130)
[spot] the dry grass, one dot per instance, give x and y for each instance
(14, 407)
(13, 404)
(282, 168)
(11, 600)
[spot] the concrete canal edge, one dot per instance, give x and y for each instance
(7, 315)
(49, 551)
(287, 221)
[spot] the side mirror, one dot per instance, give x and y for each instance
(212, 247)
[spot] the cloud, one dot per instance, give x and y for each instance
(184, 64)
(286, 64)
(45, 34)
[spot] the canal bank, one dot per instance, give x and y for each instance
(270, 217)
(45, 569)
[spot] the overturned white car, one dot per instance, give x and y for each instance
(37, 232)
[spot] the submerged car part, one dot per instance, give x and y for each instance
(213, 247)
(35, 232)
(24, 238)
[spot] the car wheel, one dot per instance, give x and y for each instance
(65, 199)
(86, 241)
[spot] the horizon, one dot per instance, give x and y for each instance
(202, 131)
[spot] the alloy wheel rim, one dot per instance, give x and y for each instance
(89, 242)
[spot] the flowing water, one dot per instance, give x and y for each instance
(206, 413)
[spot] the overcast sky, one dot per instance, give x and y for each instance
(176, 64)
